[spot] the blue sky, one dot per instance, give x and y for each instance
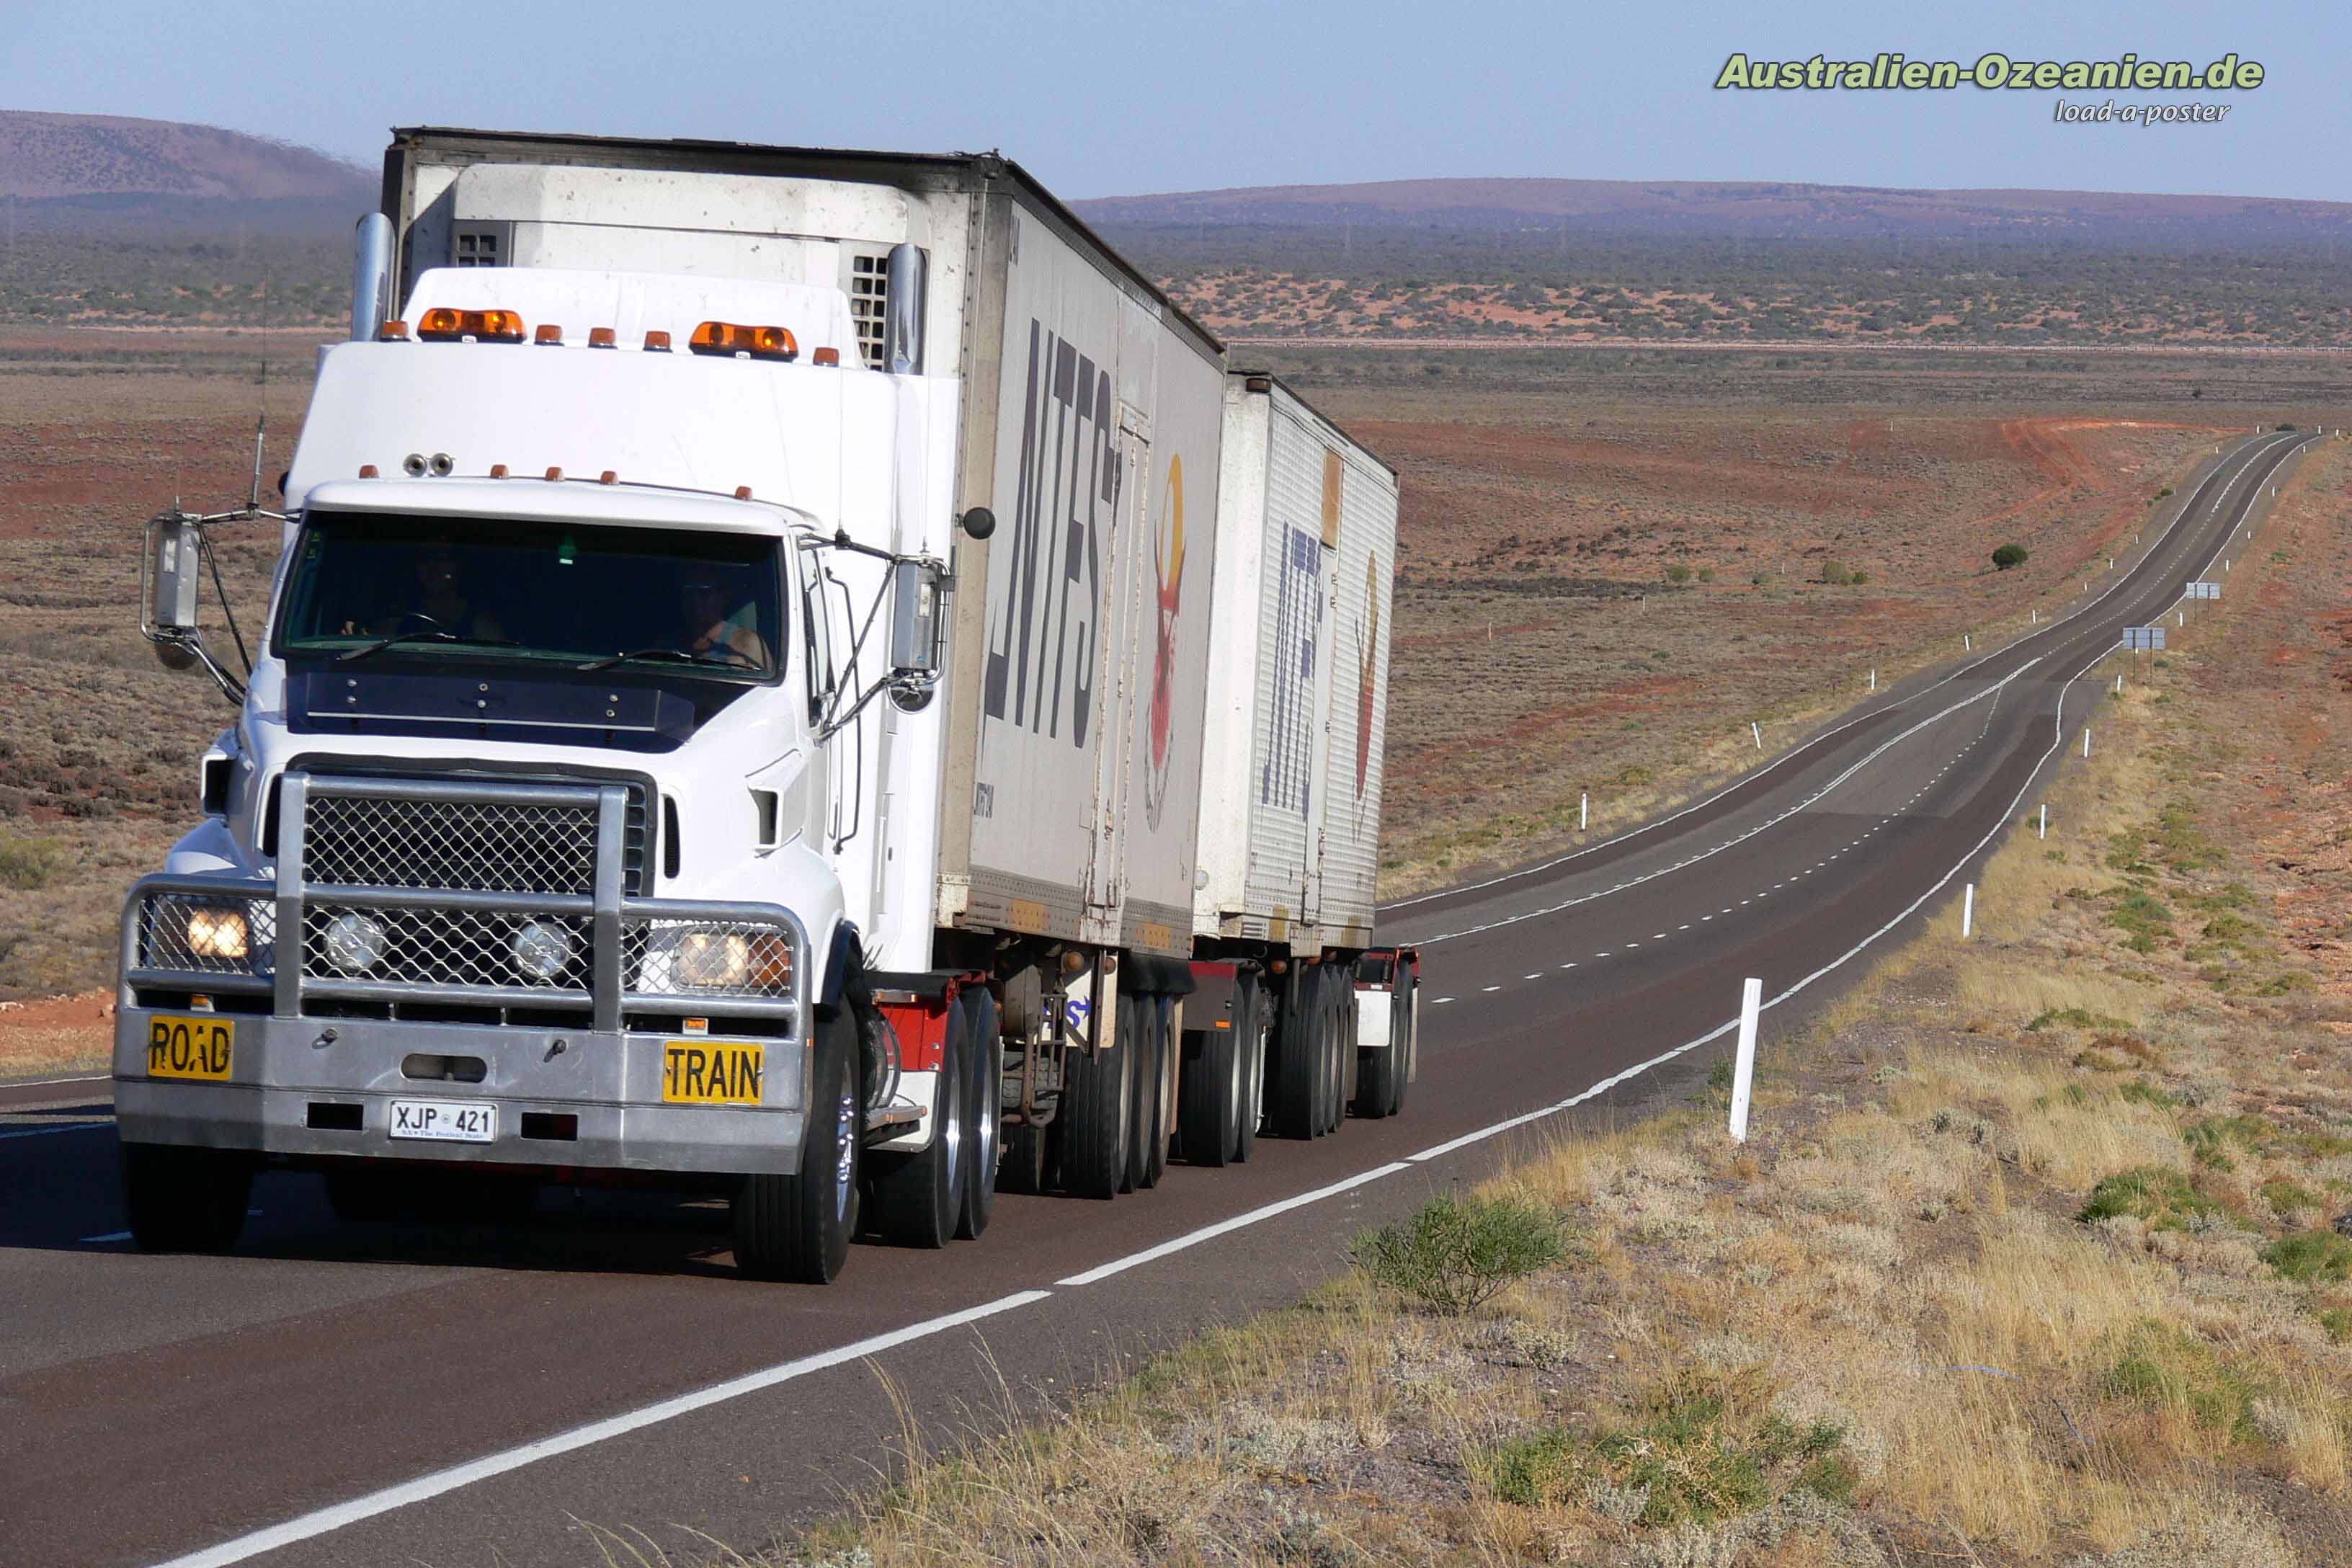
(1108, 99)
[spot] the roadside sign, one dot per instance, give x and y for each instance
(2138, 638)
(2204, 590)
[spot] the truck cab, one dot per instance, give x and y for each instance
(527, 846)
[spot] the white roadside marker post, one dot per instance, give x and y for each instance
(2182, 619)
(2119, 683)
(2086, 740)
(1874, 678)
(1758, 730)
(2045, 820)
(1967, 911)
(1743, 1061)
(1584, 811)
(1966, 645)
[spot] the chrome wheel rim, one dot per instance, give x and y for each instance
(950, 1115)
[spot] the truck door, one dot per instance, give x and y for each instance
(1116, 680)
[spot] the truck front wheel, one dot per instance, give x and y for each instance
(798, 1227)
(184, 1200)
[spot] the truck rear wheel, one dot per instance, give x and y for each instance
(184, 1200)
(1096, 1102)
(1146, 1079)
(1343, 1042)
(1211, 1092)
(918, 1195)
(1257, 1018)
(1405, 1030)
(983, 1109)
(1298, 1074)
(798, 1227)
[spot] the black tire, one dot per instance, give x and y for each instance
(184, 1200)
(917, 1196)
(1257, 1059)
(1294, 1079)
(1344, 1032)
(1096, 1102)
(798, 1227)
(984, 1113)
(1327, 1052)
(1144, 1079)
(1211, 1092)
(1161, 1126)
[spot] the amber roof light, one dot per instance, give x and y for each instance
(749, 342)
(443, 324)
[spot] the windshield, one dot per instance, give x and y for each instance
(366, 583)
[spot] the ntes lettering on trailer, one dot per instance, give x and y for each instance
(1044, 641)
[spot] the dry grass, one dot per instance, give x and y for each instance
(1882, 1330)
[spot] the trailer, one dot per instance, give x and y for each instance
(749, 702)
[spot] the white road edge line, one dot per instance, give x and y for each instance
(46, 1082)
(304, 1527)
(1223, 1226)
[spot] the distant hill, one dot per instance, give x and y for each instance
(1750, 209)
(49, 157)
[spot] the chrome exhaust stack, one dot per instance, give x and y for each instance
(906, 289)
(370, 277)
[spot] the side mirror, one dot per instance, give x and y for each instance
(914, 618)
(174, 566)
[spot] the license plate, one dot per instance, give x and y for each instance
(443, 1120)
(181, 1047)
(712, 1072)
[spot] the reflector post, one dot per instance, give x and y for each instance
(444, 324)
(734, 340)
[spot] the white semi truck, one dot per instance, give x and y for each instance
(792, 672)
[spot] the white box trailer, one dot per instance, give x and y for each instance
(1298, 696)
(907, 904)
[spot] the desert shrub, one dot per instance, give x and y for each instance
(1859, 578)
(2209, 1140)
(1690, 1460)
(2164, 1366)
(2073, 1018)
(1836, 573)
(2287, 427)
(1457, 1253)
(27, 863)
(2336, 1322)
(2311, 1258)
(2158, 1196)
(2144, 920)
(2009, 555)
(1706, 573)
(2286, 1196)
(1678, 572)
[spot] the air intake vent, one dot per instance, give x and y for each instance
(480, 244)
(870, 288)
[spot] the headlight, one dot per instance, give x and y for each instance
(719, 958)
(541, 951)
(713, 959)
(354, 942)
(216, 932)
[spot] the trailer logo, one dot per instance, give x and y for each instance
(1168, 564)
(1046, 635)
(1297, 622)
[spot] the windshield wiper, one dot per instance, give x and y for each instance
(674, 656)
(420, 635)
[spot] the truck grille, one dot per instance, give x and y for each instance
(472, 845)
(448, 947)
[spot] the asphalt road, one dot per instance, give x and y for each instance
(464, 1395)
